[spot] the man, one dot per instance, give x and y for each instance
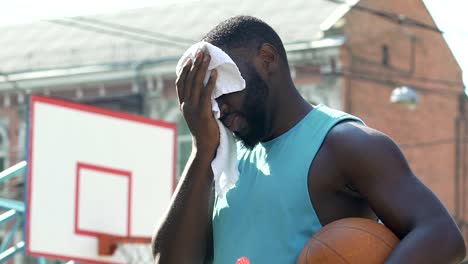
(301, 167)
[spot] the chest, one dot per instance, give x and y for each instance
(269, 209)
(270, 185)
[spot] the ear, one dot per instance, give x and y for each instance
(267, 59)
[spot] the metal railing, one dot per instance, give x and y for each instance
(14, 215)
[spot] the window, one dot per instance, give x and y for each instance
(131, 103)
(385, 55)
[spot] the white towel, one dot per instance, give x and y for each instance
(228, 80)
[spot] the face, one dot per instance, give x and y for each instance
(245, 113)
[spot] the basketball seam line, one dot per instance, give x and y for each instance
(330, 248)
(356, 228)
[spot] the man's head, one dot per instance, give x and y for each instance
(260, 55)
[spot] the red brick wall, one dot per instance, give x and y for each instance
(13, 135)
(15, 151)
(464, 172)
(427, 133)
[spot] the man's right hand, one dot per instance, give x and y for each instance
(195, 103)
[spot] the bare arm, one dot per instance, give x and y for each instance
(184, 235)
(374, 164)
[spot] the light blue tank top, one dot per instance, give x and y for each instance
(268, 216)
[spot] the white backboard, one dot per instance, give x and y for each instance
(93, 171)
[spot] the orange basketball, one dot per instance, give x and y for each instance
(349, 241)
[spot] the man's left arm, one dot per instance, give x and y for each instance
(374, 164)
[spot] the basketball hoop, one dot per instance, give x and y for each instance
(133, 250)
(105, 187)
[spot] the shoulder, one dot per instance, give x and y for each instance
(353, 136)
(358, 149)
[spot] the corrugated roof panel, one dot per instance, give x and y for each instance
(46, 44)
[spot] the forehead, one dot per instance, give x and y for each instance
(243, 59)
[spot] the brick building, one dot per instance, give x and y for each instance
(348, 55)
(396, 51)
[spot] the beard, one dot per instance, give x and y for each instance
(254, 112)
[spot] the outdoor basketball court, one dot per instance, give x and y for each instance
(95, 178)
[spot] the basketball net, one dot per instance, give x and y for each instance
(135, 253)
(133, 250)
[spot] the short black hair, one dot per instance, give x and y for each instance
(241, 31)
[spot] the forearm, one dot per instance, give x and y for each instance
(425, 245)
(182, 235)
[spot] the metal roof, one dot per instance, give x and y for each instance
(149, 33)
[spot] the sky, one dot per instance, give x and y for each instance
(450, 16)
